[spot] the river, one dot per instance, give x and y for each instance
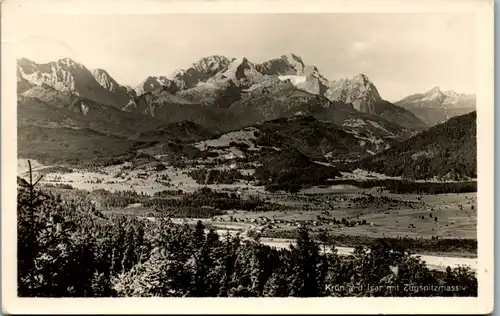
(433, 262)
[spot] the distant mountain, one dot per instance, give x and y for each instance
(183, 79)
(285, 100)
(74, 130)
(364, 96)
(240, 72)
(359, 91)
(436, 106)
(200, 71)
(446, 151)
(66, 75)
(225, 87)
(435, 98)
(104, 79)
(398, 115)
(291, 68)
(153, 83)
(289, 64)
(282, 99)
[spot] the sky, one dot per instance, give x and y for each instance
(402, 54)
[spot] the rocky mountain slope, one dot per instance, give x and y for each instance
(446, 151)
(436, 106)
(359, 91)
(217, 81)
(183, 79)
(66, 75)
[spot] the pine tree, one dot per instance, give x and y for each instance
(277, 285)
(305, 261)
(128, 259)
(201, 260)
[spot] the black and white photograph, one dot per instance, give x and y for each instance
(237, 155)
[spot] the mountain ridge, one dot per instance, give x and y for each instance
(216, 82)
(213, 80)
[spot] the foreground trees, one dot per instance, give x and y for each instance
(68, 249)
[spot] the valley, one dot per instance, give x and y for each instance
(441, 225)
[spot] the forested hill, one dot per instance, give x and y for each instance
(446, 151)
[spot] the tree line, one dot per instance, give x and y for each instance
(410, 187)
(202, 203)
(214, 176)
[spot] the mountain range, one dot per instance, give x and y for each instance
(291, 103)
(213, 83)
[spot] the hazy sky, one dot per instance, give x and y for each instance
(401, 53)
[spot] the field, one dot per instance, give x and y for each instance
(382, 220)
(347, 213)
